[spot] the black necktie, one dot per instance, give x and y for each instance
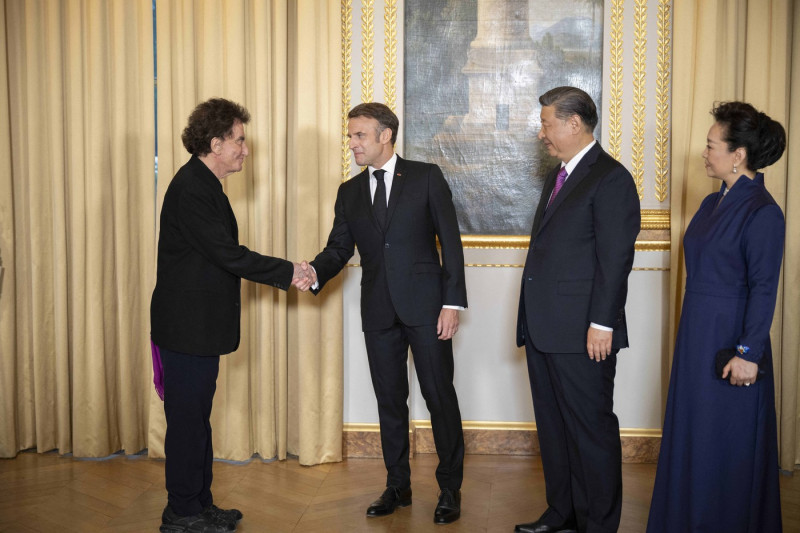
(379, 201)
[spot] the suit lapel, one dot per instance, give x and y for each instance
(578, 174)
(547, 190)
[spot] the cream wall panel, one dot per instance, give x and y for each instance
(491, 372)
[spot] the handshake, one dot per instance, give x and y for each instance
(304, 276)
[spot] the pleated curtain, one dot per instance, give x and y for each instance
(77, 212)
(79, 203)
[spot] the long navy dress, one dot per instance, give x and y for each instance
(718, 467)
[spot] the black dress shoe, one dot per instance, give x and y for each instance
(391, 498)
(540, 527)
(449, 507)
(536, 527)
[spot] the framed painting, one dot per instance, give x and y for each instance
(474, 71)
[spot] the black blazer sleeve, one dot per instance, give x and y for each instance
(205, 227)
(617, 222)
(341, 245)
(443, 213)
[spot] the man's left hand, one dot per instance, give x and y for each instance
(598, 343)
(447, 325)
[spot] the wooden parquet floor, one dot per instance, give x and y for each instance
(48, 493)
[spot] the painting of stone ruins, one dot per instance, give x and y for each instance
(473, 73)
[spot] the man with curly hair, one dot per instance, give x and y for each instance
(195, 310)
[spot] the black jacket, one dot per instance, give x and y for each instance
(580, 256)
(401, 269)
(196, 303)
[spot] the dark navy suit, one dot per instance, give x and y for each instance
(576, 273)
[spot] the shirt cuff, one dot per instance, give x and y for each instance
(456, 307)
(601, 328)
(315, 286)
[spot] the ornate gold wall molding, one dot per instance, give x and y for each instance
(496, 242)
(663, 76)
(367, 45)
(615, 77)
(390, 54)
(652, 246)
(519, 265)
(655, 219)
(493, 265)
(347, 48)
(639, 96)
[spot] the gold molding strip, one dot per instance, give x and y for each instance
(390, 54)
(347, 50)
(663, 74)
(516, 242)
(652, 246)
(367, 45)
(639, 96)
(615, 76)
(361, 427)
(655, 218)
(494, 265)
(501, 242)
(500, 265)
(492, 425)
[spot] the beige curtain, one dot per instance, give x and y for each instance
(281, 391)
(9, 413)
(741, 50)
(76, 210)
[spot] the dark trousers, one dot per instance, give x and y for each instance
(573, 401)
(189, 385)
(387, 351)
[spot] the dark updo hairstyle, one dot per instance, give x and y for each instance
(743, 126)
(212, 118)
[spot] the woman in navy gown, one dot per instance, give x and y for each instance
(718, 467)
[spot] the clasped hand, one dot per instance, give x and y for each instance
(304, 276)
(740, 371)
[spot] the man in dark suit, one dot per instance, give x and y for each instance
(572, 316)
(393, 211)
(195, 309)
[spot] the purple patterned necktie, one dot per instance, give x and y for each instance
(560, 179)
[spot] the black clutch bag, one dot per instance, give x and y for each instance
(725, 355)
